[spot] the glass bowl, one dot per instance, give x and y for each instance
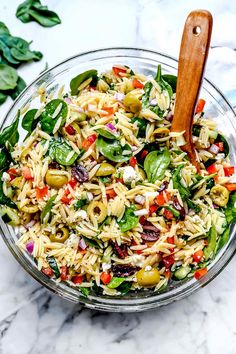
(144, 61)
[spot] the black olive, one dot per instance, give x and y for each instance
(80, 173)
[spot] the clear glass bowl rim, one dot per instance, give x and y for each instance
(101, 302)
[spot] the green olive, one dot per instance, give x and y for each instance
(142, 173)
(30, 208)
(17, 182)
(161, 132)
(98, 210)
(76, 127)
(61, 235)
(105, 169)
(219, 195)
(55, 179)
(132, 103)
(148, 278)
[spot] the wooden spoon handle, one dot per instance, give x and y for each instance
(193, 55)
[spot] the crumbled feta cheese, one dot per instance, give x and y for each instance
(138, 259)
(5, 177)
(89, 196)
(148, 268)
(82, 214)
(73, 239)
(105, 266)
(130, 175)
(151, 194)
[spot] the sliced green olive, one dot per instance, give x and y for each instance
(132, 103)
(160, 132)
(30, 208)
(61, 235)
(219, 195)
(55, 179)
(105, 169)
(98, 210)
(76, 127)
(148, 278)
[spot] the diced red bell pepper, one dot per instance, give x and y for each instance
(230, 186)
(167, 273)
(137, 84)
(153, 208)
(229, 171)
(92, 88)
(110, 193)
(197, 256)
(105, 278)
(220, 146)
(211, 169)
(109, 110)
(133, 161)
(168, 214)
(41, 192)
(200, 105)
(171, 240)
(168, 261)
(77, 279)
(70, 130)
(160, 200)
(64, 273)
(200, 273)
(13, 173)
(144, 154)
(27, 173)
(119, 70)
(47, 271)
(120, 180)
(73, 183)
(89, 141)
(66, 200)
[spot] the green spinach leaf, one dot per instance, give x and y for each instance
(145, 99)
(3, 97)
(171, 80)
(79, 79)
(155, 165)
(115, 282)
(33, 10)
(8, 77)
(141, 124)
(163, 84)
(106, 133)
(53, 265)
(90, 242)
(125, 287)
(9, 135)
(28, 122)
(59, 151)
(4, 200)
(84, 291)
(211, 247)
(3, 28)
(47, 209)
(129, 220)
(113, 150)
(184, 192)
(20, 85)
(221, 138)
(48, 119)
(5, 159)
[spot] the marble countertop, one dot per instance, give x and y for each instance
(33, 320)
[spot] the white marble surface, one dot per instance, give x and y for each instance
(32, 320)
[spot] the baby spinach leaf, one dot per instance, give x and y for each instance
(8, 77)
(145, 99)
(6, 51)
(210, 248)
(33, 10)
(230, 210)
(28, 122)
(20, 85)
(47, 209)
(106, 133)
(221, 138)
(155, 165)
(79, 79)
(141, 124)
(125, 287)
(113, 150)
(47, 118)
(171, 80)
(115, 282)
(3, 28)
(129, 220)
(21, 51)
(3, 199)
(3, 97)
(5, 159)
(53, 265)
(84, 291)
(184, 192)
(163, 84)
(59, 151)
(9, 135)
(90, 242)
(223, 239)
(80, 203)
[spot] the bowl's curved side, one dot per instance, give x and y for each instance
(146, 62)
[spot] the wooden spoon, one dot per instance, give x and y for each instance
(192, 60)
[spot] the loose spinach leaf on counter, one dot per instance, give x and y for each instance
(20, 86)
(53, 265)
(28, 122)
(129, 220)
(3, 97)
(33, 10)
(113, 150)
(48, 119)
(155, 165)
(79, 79)
(3, 28)
(9, 135)
(8, 77)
